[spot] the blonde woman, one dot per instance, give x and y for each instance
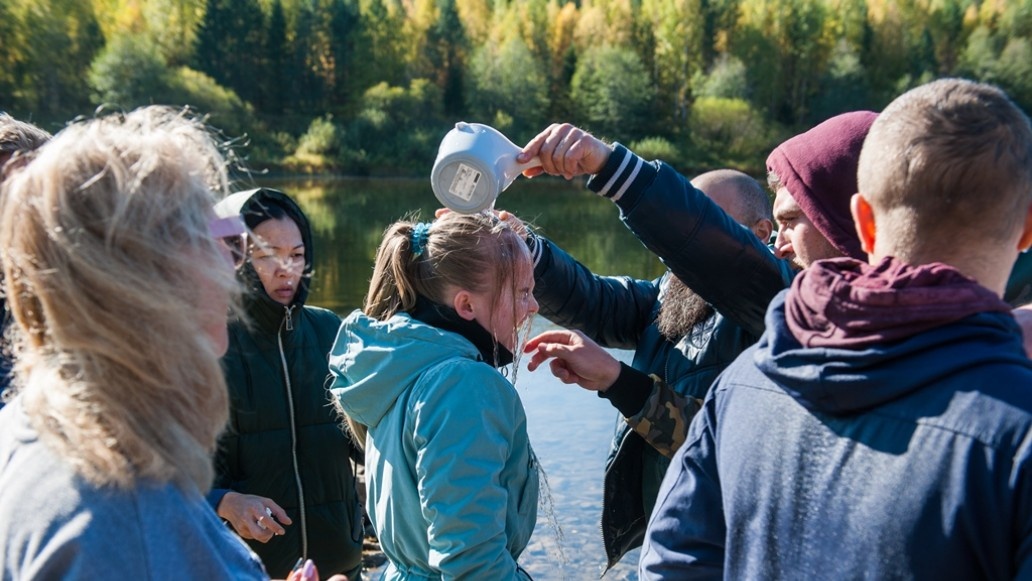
(452, 480)
(119, 289)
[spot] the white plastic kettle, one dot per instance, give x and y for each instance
(474, 164)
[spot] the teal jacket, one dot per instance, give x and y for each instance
(452, 480)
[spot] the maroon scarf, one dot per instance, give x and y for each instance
(843, 302)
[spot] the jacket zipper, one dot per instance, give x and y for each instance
(289, 323)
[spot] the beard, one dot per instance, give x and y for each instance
(681, 310)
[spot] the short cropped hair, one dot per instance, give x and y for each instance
(106, 242)
(948, 158)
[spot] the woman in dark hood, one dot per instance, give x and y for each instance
(284, 475)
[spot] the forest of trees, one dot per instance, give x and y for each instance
(371, 86)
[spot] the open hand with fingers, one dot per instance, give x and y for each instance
(574, 359)
(253, 517)
(565, 150)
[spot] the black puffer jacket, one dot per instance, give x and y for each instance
(284, 440)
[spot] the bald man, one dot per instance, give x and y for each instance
(680, 342)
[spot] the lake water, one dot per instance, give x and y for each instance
(570, 428)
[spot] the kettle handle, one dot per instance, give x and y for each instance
(534, 162)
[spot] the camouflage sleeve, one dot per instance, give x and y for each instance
(663, 422)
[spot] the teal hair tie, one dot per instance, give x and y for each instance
(420, 236)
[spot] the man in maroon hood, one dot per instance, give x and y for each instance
(813, 175)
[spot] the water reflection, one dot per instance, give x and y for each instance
(569, 428)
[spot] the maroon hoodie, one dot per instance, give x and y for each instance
(819, 169)
(847, 303)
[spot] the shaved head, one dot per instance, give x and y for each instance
(738, 194)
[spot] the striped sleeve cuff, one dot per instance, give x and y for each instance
(621, 170)
(534, 244)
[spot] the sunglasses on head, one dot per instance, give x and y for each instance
(231, 232)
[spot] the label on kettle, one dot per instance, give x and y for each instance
(464, 184)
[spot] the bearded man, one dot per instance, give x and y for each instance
(679, 340)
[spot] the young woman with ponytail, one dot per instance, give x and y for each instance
(452, 480)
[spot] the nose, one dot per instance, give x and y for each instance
(782, 248)
(533, 305)
(289, 266)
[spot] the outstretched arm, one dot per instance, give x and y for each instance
(715, 256)
(657, 413)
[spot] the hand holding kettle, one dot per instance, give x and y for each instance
(475, 162)
(566, 151)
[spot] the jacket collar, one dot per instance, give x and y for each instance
(268, 315)
(445, 318)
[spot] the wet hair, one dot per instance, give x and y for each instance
(475, 252)
(946, 164)
(462, 251)
(106, 242)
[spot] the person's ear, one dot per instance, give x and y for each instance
(863, 219)
(763, 228)
(1026, 235)
(463, 305)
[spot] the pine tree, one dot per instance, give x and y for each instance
(274, 79)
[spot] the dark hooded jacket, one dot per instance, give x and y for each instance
(284, 440)
(880, 429)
